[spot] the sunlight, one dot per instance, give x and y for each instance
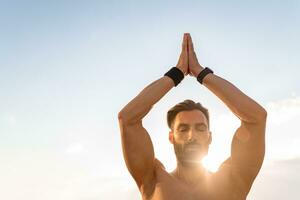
(211, 163)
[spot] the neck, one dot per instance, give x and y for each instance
(190, 174)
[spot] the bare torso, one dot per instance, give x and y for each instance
(214, 186)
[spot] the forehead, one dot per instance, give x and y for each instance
(190, 117)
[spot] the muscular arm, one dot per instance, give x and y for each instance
(248, 144)
(136, 143)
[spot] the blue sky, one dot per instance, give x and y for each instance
(68, 67)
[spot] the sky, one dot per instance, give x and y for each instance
(68, 67)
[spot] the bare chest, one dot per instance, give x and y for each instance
(212, 188)
(176, 191)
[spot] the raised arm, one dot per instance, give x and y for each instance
(248, 144)
(136, 143)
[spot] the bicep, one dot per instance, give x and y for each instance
(248, 150)
(138, 152)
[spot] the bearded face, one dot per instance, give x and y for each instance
(190, 154)
(190, 137)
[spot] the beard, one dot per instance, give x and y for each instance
(190, 154)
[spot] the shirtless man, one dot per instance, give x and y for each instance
(191, 136)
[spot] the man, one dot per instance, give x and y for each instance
(190, 135)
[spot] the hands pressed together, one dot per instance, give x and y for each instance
(188, 62)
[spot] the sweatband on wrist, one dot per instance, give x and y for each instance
(203, 73)
(175, 74)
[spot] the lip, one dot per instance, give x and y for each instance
(193, 148)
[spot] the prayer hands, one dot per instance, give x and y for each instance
(188, 62)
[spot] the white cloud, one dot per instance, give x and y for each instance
(75, 148)
(35, 175)
(277, 180)
(283, 111)
(282, 136)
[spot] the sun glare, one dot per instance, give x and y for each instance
(211, 163)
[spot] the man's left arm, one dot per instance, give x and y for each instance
(248, 144)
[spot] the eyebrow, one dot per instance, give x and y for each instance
(187, 125)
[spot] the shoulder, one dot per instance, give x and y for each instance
(238, 179)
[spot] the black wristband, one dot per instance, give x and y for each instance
(203, 73)
(175, 74)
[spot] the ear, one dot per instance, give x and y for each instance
(171, 137)
(210, 137)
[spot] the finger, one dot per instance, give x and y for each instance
(184, 42)
(195, 57)
(190, 44)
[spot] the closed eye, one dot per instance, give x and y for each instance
(183, 130)
(201, 127)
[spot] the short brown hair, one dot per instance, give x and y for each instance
(186, 105)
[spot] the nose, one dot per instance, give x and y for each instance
(192, 135)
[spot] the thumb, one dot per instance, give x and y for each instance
(190, 44)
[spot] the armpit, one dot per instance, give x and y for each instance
(158, 163)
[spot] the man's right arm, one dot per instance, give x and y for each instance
(136, 143)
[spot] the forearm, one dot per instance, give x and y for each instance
(138, 107)
(240, 104)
